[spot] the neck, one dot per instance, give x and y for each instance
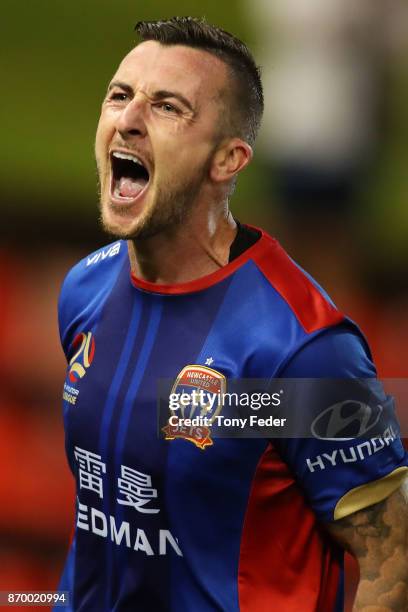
(186, 252)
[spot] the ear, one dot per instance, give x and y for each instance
(232, 156)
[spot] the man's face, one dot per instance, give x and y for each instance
(158, 131)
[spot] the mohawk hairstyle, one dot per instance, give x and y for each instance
(246, 98)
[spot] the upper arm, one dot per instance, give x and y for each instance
(356, 480)
(380, 529)
(378, 538)
(344, 472)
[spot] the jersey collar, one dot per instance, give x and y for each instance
(209, 280)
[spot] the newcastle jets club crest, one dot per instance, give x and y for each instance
(195, 402)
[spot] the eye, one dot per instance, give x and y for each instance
(167, 107)
(118, 96)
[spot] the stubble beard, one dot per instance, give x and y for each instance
(170, 208)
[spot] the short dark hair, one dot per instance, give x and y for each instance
(247, 101)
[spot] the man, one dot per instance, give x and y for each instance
(190, 522)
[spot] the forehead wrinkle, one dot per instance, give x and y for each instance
(202, 77)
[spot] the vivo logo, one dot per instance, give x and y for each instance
(101, 255)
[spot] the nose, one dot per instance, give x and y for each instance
(130, 121)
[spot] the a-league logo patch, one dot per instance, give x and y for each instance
(84, 343)
(200, 390)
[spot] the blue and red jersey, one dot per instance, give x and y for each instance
(167, 525)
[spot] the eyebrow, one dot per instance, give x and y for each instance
(122, 85)
(163, 93)
(157, 95)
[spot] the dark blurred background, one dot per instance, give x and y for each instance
(328, 181)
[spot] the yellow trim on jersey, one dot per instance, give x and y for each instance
(368, 494)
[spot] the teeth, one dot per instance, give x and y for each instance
(132, 158)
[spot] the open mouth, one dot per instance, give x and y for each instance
(129, 176)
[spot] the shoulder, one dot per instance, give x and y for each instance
(86, 284)
(311, 337)
(304, 297)
(93, 268)
(340, 351)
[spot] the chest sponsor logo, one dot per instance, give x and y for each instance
(201, 389)
(136, 490)
(103, 254)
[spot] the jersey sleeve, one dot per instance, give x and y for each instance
(72, 307)
(85, 290)
(340, 468)
(67, 311)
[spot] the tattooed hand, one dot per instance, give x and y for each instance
(378, 537)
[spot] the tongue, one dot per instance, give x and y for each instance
(130, 188)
